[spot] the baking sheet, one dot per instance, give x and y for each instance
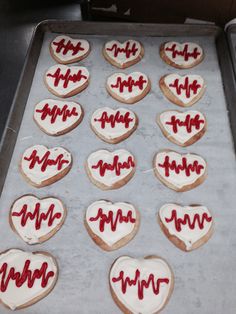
(204, 279)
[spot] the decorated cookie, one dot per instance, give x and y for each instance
(42, 166)
(56, 117)
(123, 55)
(128, 88)
(26, 278)
(66, 81)
(65, 49)
(36, 220)
(110, 170)
(141, 286)
(113, 126)
(111, 225)
(188, 227)
(181, 56)
(180, 172)
(183, 91)
(182, 128)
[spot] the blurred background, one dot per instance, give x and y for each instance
(18, 19)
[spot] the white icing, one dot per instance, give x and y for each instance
(179, 180)
(29, 233)
(123, 229)
(169, 79)
(110, 178)
(126, 95)
(180, 59)
(182, 136)
(187, 235)
(36, 175)
(74, 70)
(14, 296)
(121, 58)
(53, 128)
(151, 303)
(69, 55)
(109, 132)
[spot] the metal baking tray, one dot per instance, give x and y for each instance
(205, 278)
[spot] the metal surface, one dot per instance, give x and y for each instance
(205, 279)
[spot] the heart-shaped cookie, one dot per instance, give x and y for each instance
(128, 88)
(42, 166)
(180, 172)
(182, 128)
(123, 55)
(183, 91)
(65, 49)
(25, 277)
(110, 170)
(141, 286)
(188, 227)
(113, 126)
(181, 56)
(66, 81)
(36, 220)
(111, 225)
(56, 117)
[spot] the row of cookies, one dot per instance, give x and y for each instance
(56, 117)
(111, 225)
(66, 50)
(28, 277)
(66, 81)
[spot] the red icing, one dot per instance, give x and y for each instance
(56, 112)
(112, 219)
(45, 161)
(67, 78)
(65, 47)
(128, 51)
(113, 119)
(189, 123)
(186, 87)
(27, 275)
(184, 166)
(197, 220)
(36, 216)
(185, 53)
(116, 165)
(129, 83)
(140, 283)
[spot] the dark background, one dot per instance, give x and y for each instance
(18, 19)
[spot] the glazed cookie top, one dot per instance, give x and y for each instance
(188, 223)
(182, 126)
(25, 276)
(129, 51)
(111, 221)
(141, 285)
(68, 50)
(112, 124)
(40, 163)
(63, 80)
(186, 54)
(185, 88)
(179, 169)
(128, 86)
(35, 219)
(56, 116)
(110, 167)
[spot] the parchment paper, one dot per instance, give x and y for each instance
(205, 279)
